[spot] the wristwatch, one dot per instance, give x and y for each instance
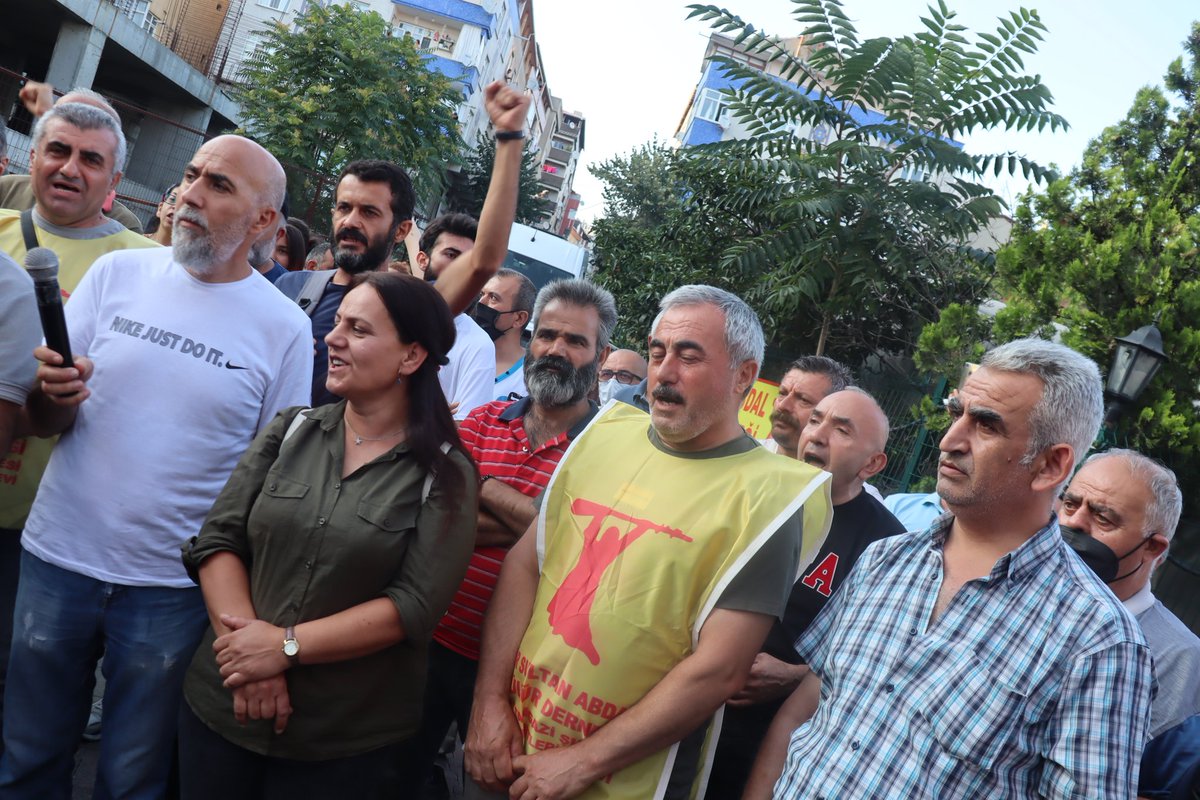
(291, 648)
(509, 136)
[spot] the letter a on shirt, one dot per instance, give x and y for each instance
(821, 577)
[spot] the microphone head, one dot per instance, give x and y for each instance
(42, 264)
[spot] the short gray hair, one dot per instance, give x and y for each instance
(318, 252)
(1072, 402)
(744, 339)
(1166, 501)
(526, 291)
(838, 373)
(86, 118)
(94, 98)
(585, 294)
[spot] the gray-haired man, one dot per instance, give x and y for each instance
(629, 611)
(979, 658)
(1119, 514)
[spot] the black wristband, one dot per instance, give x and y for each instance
(508, 136)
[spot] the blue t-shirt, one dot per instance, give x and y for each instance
(322, 323)
(276, 272)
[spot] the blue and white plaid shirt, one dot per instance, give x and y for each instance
(1034, 682)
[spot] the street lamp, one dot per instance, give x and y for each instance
(1137, 360)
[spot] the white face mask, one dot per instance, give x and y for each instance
(608, 388)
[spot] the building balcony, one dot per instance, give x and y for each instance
(559, 156)
(551, 180)
(467, 77)
(459, 11)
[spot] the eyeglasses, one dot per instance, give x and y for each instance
(622, 375)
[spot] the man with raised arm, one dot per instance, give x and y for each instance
(372, 213)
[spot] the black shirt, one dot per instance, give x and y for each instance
(856, 524)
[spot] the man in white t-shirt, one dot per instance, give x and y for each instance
(469, 375)
(181, 357)
(503, 311)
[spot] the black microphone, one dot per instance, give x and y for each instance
(42, 265)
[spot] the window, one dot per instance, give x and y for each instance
(277, 5)
(426, 38)
(712, 107)
(139, 12)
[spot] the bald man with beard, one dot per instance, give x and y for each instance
(845, 434)
(182, 356)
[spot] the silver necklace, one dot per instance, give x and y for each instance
(358, 439)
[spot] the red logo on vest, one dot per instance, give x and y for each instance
(571, 606)
(821, 577)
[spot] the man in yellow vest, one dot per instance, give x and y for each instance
(77, 158)
(664, 548)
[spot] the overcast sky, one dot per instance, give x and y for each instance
(629, 66)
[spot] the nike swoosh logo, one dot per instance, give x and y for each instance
(229, 365)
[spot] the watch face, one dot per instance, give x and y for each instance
(291, 647)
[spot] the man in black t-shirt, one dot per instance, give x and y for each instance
(845, 435)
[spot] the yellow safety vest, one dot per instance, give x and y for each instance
(634, 553)
(22, 467)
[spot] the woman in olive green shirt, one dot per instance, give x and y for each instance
(325, 563)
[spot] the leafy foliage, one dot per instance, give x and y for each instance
(664, 226)
(1106, 250)
(338, 88)
(861, 232)
(468, 192)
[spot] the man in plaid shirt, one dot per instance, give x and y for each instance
(979, 658)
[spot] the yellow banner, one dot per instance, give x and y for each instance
(755, 413)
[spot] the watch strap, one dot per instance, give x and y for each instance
(289, 635)
(508, 136)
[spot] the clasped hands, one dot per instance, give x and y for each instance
(494, 757)
(251, 661)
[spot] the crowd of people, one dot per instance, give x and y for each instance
(311, 519)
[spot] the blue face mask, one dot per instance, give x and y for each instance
(608, 388)
(1099, 556)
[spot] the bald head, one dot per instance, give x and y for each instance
(266, 177)
(846, 436)
(229, 198)
(626, 360)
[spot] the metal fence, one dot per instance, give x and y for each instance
(912, 447)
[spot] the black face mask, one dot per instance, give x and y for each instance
(485, 317)
(1097, 555)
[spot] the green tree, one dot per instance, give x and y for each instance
(849, 162)
(663, 227)
(338, 88)
(467, 193)
(1106, 250)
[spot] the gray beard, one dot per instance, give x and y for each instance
(568, 386)
(202, 253)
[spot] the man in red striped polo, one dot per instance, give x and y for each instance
(516, 445)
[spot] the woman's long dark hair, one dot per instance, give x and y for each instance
(297, 254)
(422, 316)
